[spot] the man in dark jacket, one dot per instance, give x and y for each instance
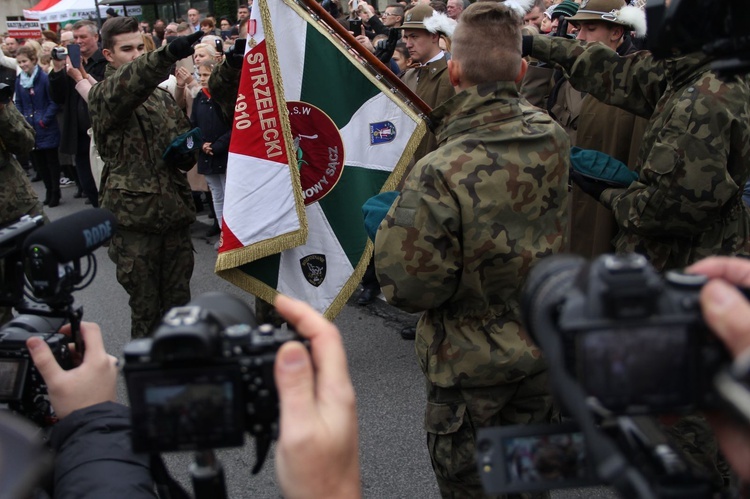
(76, 119)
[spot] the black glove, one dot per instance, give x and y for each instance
(182, 47)
(590, 186)
(385, 48)
(527, 41)
(236, 53)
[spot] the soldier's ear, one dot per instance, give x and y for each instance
(454, 72)
(522, 71)
(108, 55)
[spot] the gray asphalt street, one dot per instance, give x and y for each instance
(389, 385)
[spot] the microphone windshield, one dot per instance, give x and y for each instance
(76, 235)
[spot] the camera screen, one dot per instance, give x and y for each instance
(12, 375)
(529, 458)
(633, 369)
(545, 458)
(186, 409)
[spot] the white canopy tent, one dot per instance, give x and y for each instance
(70, 10)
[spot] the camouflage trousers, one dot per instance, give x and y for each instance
(453, 416)
(155, 270)
(694, 437)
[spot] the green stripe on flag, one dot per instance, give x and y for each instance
(329, 81)
(343, 207)
(265, 270)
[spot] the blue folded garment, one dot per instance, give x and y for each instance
(602, 167)
(375, 210)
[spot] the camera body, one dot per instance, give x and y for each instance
(22, 387)
(204, 378)
(633, 339)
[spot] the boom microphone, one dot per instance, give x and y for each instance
(76, 235)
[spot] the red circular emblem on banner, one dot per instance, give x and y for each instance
(319, 149)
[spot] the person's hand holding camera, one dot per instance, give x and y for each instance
(727, 313)
(59, 65)
(317, 454)
(90, 383)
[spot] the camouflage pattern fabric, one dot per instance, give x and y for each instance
(134, 121)
(472, 220)
(453, 417)
(155, 270)
(223, 85)
(695, 155)
(694, 437)
(17, 197)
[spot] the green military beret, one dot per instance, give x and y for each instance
(375, 210)
(187, 143)
(601, 167)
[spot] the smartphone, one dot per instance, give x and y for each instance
(226, 34)
(74, 52)
(355, 26)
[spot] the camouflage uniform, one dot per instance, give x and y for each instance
(134, 121)
(17, 197)
(472, 220)
(695, 155)
(223, 85)
(693, 163)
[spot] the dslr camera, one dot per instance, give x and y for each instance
(634, 340)
(204, 378)
(623, 343)
(40, 269)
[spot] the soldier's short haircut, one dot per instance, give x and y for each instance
(487, 43)
(117, 26)
(91, 25)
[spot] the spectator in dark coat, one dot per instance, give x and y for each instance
(34, 102)
(76, 119)
(212, 159)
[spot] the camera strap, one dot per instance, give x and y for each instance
(166, 486)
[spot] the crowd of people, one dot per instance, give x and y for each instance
(552, 131)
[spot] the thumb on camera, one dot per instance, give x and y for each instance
(294, 379)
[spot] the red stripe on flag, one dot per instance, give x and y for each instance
(228, 240)
(257, 124)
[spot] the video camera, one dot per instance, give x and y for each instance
(205, 378)
(40, 269)
(623, 343)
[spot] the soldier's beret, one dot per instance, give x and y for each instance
(375, 210)
(186, 143)
(601, 167)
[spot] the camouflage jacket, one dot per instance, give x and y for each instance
(472, 220)
(695, 156)
(224, 84)
(134, 121)
(17, 197)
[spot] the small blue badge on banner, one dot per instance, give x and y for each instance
(382, 132)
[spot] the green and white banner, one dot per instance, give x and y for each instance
(351, 138)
